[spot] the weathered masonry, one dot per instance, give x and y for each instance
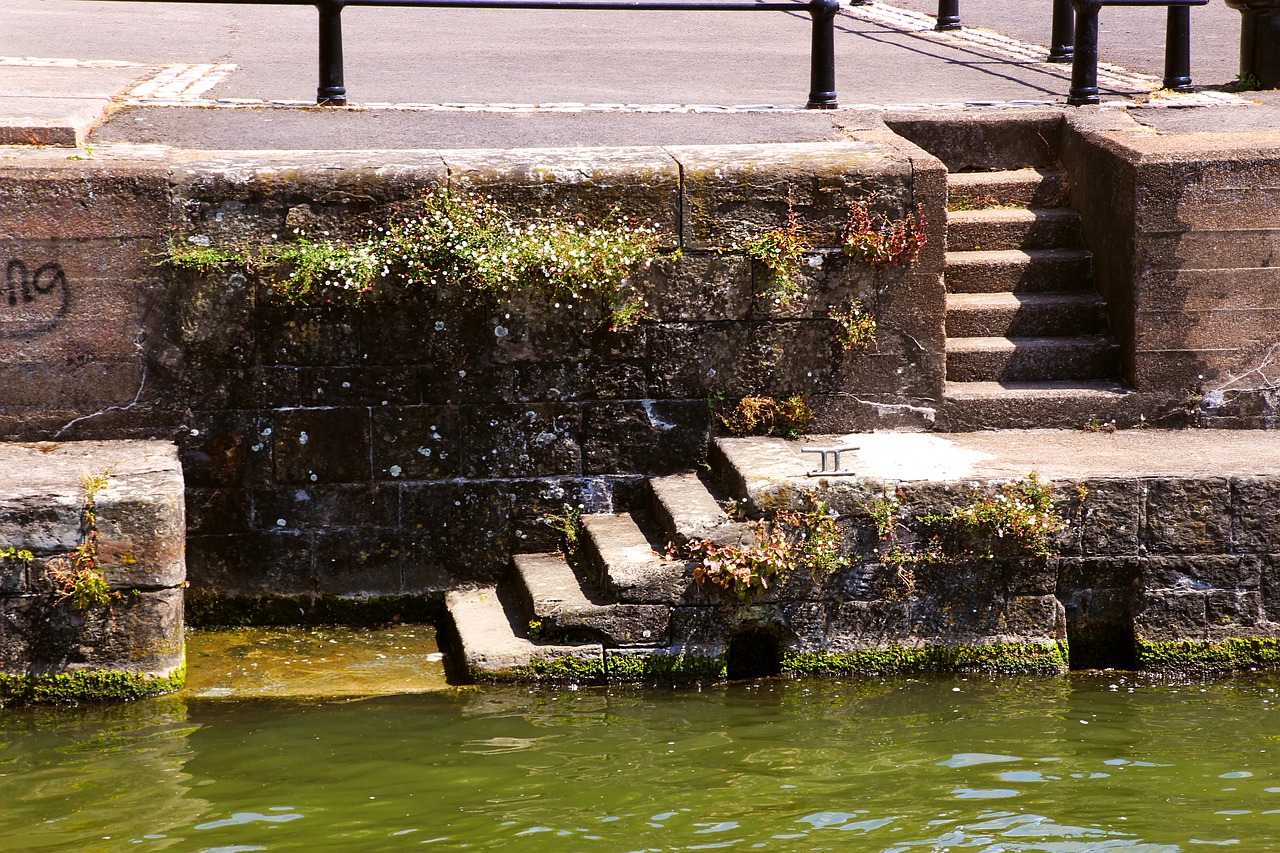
(1086, 271)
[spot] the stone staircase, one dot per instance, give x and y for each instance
(609, 617)
(1027, 334)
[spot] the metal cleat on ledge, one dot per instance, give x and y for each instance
(829, 452)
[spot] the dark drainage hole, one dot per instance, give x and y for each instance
(753, 654)
(1101, 646)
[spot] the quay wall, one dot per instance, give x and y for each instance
(410, 444)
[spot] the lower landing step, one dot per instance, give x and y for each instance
(1047, 404)
(493, 645)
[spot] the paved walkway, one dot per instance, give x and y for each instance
(202, 76)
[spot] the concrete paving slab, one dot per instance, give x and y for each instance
(1054, 454)
(44, 104)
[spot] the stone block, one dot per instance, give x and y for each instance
(253, 197)
(136, 633)
(700, 287)
(1123, 574)
(861, 625)
(742, 359)
(228, 448)
(254, 387)
(215, 318)
(1208, 250)
(733, 192)
(636, 184)
(534, 500)
(1271, 586)
(644, 437)
(289, 336)
(360, 561)
(1169, 616)
(537, 440)
(1233, 613)
(322, 446)
(215, 511)
(84, 200)
(447, 385)
(416, 442)
(318, 506)
(458, 527)
(1202, 572)
(359, 386)
(1210, 329)
(579, 380)
(1187, 516)
(1208, 290)
(1255, 506)
(263, 563)
(414, 328)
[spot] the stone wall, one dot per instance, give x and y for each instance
(1186, 233)
(409, 444)
(61, 638)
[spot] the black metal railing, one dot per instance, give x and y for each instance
(332, 90)
(1074, 39)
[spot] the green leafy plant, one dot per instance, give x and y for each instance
(760, 415)
(856, 328)
(568, 523)
(21, 555)
(1247, 82)
(808, 539)
(1018, 520)
(884, 512)
(460, 242)
(77, 577)
(779, 251)
(877, 240)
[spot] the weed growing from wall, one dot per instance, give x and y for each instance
(855, 328)
(779, 251)
(810, 540)
(879, 241)
(568, 523)
(761, 415)
(1017, 521)
(76, 577)
(461, 242)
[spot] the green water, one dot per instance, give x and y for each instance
(1077, 763)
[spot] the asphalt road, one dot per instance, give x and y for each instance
(421, 56)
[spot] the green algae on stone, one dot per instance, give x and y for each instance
(999, 657)
(666, 668)
(1203, 656)
(566, 669)
(98, 686)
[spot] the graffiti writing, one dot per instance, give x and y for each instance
(32, 301)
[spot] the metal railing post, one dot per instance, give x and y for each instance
(1084, 64)
(331, 92)
(822, 59)
(1177, 49)
(948, 15)
(1062, 39)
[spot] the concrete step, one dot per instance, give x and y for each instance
(552, 595)
(1019, 271)
(1061, 404)
(1013, 228)
(996, 359)
(494, 641)
(684, 508)
(628, 566)
(982, 315)
(1015, 188)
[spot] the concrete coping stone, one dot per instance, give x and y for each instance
(1053, 454)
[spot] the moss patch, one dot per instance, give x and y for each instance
(666, 669)
(206, 610)
(567, 670)
(72, 687)
(1194, 656)
(1000, 657)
